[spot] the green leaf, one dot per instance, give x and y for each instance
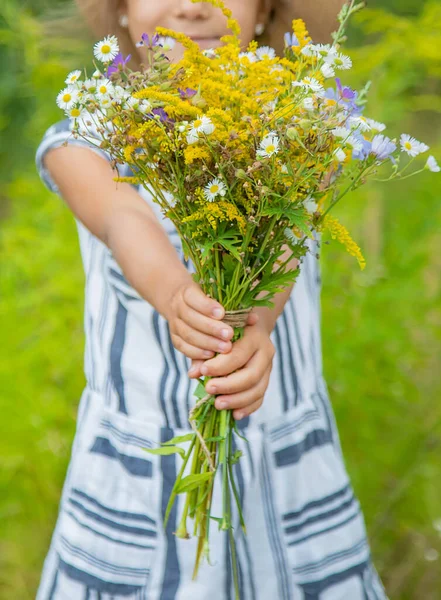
(180, 439)
(166, 451)
(236, 457)
(191, 482)
(200, 391)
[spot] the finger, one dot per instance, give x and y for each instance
(244, 399)
(246, 412)
(242, 379)
(189, 350)
(207, 325)
(224, 364)
(200, 340)
(195, 369)
(253, 317)
(195, 297)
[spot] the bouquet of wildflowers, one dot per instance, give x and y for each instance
(247, 153)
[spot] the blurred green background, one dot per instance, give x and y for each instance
(381, 327)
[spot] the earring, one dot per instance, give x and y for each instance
(124, 21)
(260, 28)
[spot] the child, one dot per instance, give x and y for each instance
(145, 321)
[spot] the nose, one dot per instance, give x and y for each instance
(188, 10)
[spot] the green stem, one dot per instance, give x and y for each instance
(178, 480)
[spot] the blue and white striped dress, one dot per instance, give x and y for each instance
(306, 534)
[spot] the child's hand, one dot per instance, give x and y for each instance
(195, 323)
(241, 390)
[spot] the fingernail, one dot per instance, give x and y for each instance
(223, 347)
(225, 333)
(211, 389)
(204, 370)
(192, 371)
(239, 416)
(221, 405)
(208, 354)
(218, 313)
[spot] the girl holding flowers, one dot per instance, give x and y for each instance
(150, 334)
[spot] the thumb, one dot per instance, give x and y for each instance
(195, 369)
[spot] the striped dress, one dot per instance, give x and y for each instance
(306, 537)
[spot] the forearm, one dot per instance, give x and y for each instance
(149, 261)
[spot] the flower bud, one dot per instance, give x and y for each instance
(291, 133)
(240, 174)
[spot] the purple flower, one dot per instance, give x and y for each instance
(382, 147)
(145, 41)
(366, 146)
(291, 40)
(345, 97)
(345, 92)
(117, 61)
(163, 116)
(187, 93)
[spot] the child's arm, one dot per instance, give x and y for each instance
(119, 217)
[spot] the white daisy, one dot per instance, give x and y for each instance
(104, 88)
(90, 85)
(432, 165)
(106, 50)
(268, 146)
(314, 85)
(310, 205)
(249, 55)
(215, 188)
(77, 112)
(324, 50)
(339, 61)
(73, 77)
(340, 154)
(359, 123)
(340, 132)
(200, 125)
(354, 143)
(105, 102)
(265, 53)
(67, 98)
(327, 71)
(411, 146)
(376, 125)
(309, 50)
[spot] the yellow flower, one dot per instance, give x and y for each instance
(299, 28)
(341, 234)
(192, 153)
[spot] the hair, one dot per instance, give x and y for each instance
(102, 18)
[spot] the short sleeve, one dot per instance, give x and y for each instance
(57, 135)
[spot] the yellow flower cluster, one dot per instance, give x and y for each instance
(180, 107)
(214, 213)
(341, 234)
(193, 153)
(300, 31)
